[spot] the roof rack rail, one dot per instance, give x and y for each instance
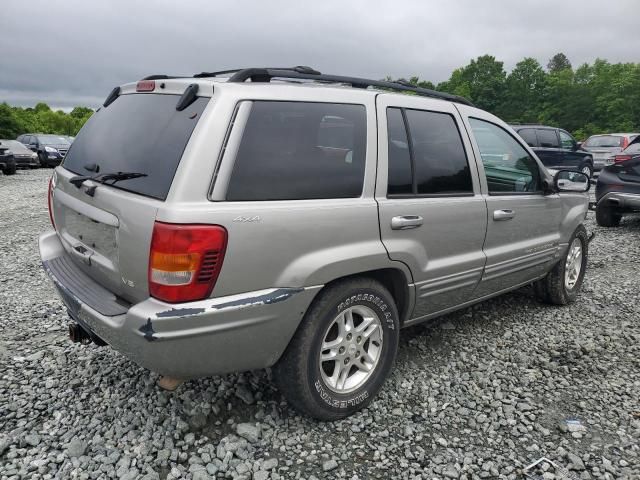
(308, 73)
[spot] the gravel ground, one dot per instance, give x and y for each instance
(478, 394)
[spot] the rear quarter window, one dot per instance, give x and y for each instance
(300, 150)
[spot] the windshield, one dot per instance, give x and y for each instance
(142, 133)
(605, 141)
(52, 140)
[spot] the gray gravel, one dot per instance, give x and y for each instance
(478, 394)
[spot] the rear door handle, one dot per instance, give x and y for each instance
(506, 214)
(405, 222)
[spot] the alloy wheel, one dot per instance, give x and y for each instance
(351, 349)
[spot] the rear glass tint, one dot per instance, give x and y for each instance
(141, 133)
(300, 150)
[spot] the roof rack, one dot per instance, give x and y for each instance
(265, 75)
(307, 73)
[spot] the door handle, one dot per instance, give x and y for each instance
(506, 214)
(405, 222)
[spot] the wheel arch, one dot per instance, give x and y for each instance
(393, 279)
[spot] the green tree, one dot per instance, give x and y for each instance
(522, 98)
(558, 63)
(482, 81)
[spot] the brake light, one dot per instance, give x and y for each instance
(185, 261)
(625, 142)
(621, 158)
(49, 200)
(146, 86)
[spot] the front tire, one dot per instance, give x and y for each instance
(10, 170)
(587, 169)
(342, 352)
(562, 284)
(607, 216)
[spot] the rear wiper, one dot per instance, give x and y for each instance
(106, 177)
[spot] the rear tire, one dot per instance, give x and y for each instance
(607, 216)
(364, 347)
(563, 283)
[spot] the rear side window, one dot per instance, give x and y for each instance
(529, 136)
(300, 150)
(548, 138)
(140, 133)
(426, 154)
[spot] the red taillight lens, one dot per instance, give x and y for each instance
(49, 199)
(621, 158)
(185, 261)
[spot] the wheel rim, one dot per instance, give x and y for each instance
(351, 349)
(586, 171)
(573, 264)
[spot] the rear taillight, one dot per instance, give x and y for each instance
(49, 201)
(621, 158)
(625, 142)
(185, 261)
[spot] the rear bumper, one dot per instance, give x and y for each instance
(209, 337)
(27, 162)
(624, 201)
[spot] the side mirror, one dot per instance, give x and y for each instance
(570, 181)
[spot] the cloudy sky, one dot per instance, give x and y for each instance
(73, 52)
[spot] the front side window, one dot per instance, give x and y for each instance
(426, 154)
(566, 140)
(299, 151)
(548, 138)
(507, 165)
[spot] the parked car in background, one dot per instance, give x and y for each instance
(556, 148)
(7, 162)
(379, 210)
(605, 147)
(69, 138)
(51, 149)
(618, 187)
(24, 157)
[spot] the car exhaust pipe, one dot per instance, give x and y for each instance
(77, 334)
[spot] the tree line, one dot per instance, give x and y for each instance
(593, 98)
(15, 121)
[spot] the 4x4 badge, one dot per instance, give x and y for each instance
(247, 219)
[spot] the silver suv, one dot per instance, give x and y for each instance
(288, 219)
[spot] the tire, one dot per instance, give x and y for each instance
(307, 382)
(587, 169)
(607, 216)
(10, 170)
(43, 162)
(561, 286)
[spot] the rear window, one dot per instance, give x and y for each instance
(300, 150)
(141, 133)
(605, 141)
